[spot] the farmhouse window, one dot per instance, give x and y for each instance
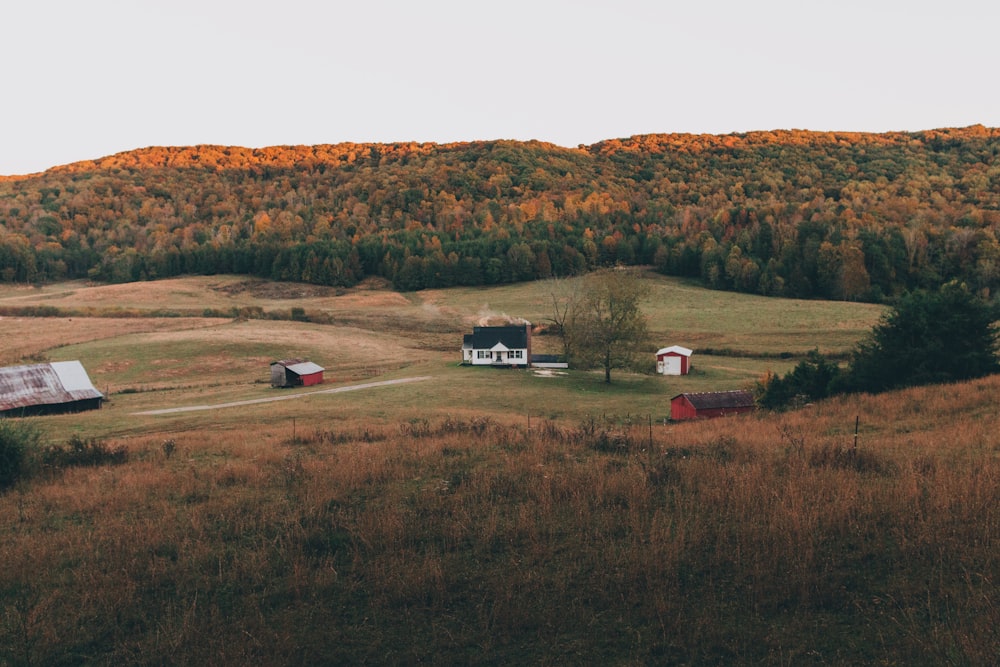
(483, 354)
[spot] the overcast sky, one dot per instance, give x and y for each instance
(87, 78)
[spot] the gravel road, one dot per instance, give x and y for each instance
(287, 397)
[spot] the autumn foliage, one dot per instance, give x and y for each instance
(793, 213)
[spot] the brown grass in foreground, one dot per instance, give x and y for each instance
(759, 540)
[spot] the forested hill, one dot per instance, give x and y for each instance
(796, 213)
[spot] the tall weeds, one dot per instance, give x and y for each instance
(748, 540)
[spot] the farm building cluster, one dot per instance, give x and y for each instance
(64, 386)
(509, 346)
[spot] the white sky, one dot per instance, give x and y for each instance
(82, 79)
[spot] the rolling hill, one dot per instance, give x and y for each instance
(845, 216)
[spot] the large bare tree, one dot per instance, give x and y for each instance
(604, 326)
(565, 293)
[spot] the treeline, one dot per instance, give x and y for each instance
(929, 337)
(793, 213)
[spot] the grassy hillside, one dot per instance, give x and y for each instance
(738, 541)
(147, 363)
(488, 517)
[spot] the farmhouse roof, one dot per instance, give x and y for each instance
(683, 351)
(45, 384)
(512, 337)
(713, 400)
(299, 366)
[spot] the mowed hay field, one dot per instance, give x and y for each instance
(479, 516)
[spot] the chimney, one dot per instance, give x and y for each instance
(527, 362)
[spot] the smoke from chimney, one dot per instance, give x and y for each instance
(490, 318)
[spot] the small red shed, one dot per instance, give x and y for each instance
(295, 373)
(673, 360)
(706, 404)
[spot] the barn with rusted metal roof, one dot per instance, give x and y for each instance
(60, 386)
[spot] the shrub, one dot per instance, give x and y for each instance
(610, 434)
(812, 379)
(83, 452)
(17, 438)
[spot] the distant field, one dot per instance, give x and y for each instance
(146, 363)
(684, 314)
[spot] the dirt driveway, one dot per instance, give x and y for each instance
(271, 399)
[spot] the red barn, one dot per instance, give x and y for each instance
(295, 373)
(705, 404)
(673, 360)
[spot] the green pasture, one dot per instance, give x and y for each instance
(451, 390)
(422, 335)
(682, 313)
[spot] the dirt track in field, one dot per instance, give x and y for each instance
(271, 399)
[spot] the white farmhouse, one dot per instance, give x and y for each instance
(498, 346)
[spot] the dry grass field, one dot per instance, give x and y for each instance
(481, 516)
(464, 540)
(28, 338)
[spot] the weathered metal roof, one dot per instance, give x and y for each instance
(713, 400)
(45, 384)
(299, 366)
(305, 368)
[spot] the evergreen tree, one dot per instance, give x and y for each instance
(814, 378)
(929, 337)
